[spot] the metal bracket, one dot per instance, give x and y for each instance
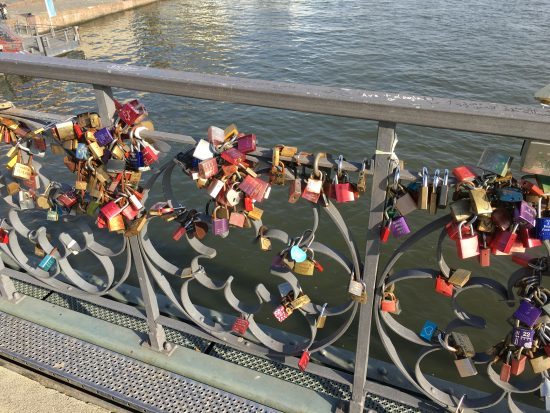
(8, 291)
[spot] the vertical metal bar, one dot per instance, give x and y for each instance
(157, 336)
(105, 104)
(384, 145)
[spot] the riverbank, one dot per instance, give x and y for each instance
(69, 12)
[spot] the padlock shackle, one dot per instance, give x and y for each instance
(445, 342)
(436, 178)
(425, 175)
(396, 177)
(316, 172)
(446, 177)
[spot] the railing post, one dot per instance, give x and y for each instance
(105, 104)
(384, 146)
(157, 336)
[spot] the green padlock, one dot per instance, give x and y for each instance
(92, 207)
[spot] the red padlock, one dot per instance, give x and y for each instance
(443, 287)
(389, 303)
(463, 173)
(528, 238)
(150, 154)
(4, 236)
(233, 156)
(518, 364)
(522, 259)
(246, 143)
(240, 325)
(504, 241)
(385, 232)
(484, 252)
(178, 233)
(452, 230)
(304, 361)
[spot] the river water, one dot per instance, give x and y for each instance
(490, 51)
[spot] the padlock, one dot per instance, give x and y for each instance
(540, 364)
(467, 245)
(52, 215)
(89, 120)
(48, 261)
(463, 173)
(433, 194)
(255, 188)
(452, 229)
(294, 190)
(67, 199)
(248, 204)
(484, 252)
(535, 157)
(246, 143)
(506, 369)
(480, 202)
(129, 211)
(11, 163)
(103, 136)
(494, 161)
(208, 168)
(215, 187)
(362, 178)
(442, 286)
(150, 154)
(179, 232)
(542, 225)
(460, 210)
(131, 112)
(81, 151)
(237, 219)
(313, 188)
(240, 325)
(527, 313)
(399, 227)
(111, 209)
(306, 266)
(232, 196)
(281, 313)
(357, 291)
(21, 170)
(460, 277)
(203, 150)
(12, 188)
(528, 237)
(321, 320)
(428, 330)
(4, 236)
(116, 223)
(530, 188)
(255, 214)
(95, 150)
(465, 366)
(505, 240)
(220, 223)
(518, 364)
(25, 200)
(233, 156)
(65, 131)
(525, 214)
(304, 360)
(343, 190)
(523, 337)
(216, 136)
(485, 224)
(502, 218)
(423, 193)
(136, 227)
(230, 131)
(277, 174)
(389, 303)
(509, 194)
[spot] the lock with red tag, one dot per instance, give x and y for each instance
(463, 173)
(131, 111)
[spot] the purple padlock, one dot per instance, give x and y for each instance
(523, 337)
(527, 313)
(103, 137)
(399, 227)
(525, 214)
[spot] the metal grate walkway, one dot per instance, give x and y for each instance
(144, 387)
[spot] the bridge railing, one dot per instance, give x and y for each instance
(389, 109)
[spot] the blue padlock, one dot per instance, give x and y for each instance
(428, 330)
(135, 161)
(510, 194)
(103, 136)
(298, 254)
(81, 151)
(47, 262)
(542, 224)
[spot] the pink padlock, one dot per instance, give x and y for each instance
(110, 210)
(237, 219)
(467, 245)
(246, 143)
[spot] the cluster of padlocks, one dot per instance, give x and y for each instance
(492, 213)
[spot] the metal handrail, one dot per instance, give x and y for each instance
(469, 116)
(388, 108)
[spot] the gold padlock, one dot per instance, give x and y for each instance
(12, 152)
(300, 301)
(117, 152)
(255, 214)
(288, 151)
(136, 227)
(116, 223)
(22, 171)
(357, 291)
(306, 267)
(540, 364)
(11, 163)
(95, 150)
(230, 131)
(480, 201)
(70, 144)
(460, 277)
(65, 131)
(322, 317)
(13, 188)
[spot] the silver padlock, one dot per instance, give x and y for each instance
(203, 151)
(545, 392)
(465, 367)
(25, 200)
(233, 196)
(215, 187)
